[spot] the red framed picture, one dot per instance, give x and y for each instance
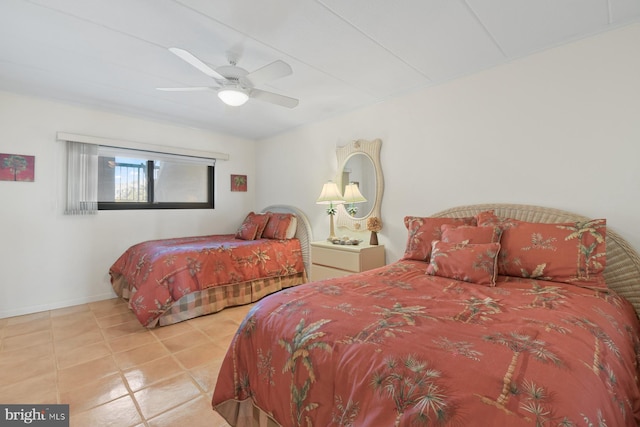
(238, 182)
(17, 167)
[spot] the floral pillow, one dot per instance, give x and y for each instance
(489, 218)
(470, 234)
(247, 231)
(468, 262)
(570, 252)
(252, 226)
(278, 225)
(424, 230)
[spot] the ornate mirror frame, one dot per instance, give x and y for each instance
(370, 149)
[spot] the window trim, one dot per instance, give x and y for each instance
(210, 204)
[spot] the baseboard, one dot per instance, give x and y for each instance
(53, 306)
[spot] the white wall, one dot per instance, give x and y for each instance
(50, 260)
(560, 128)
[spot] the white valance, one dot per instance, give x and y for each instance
(140, 146)
(107, 151)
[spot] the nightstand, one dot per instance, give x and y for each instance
(329, 260)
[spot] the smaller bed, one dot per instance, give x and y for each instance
(171, 280)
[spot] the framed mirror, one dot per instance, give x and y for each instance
(359, 165)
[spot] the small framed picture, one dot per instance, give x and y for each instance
(238, 182)
(17, 167)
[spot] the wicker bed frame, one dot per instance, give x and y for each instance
(303, 230)
(622, 271)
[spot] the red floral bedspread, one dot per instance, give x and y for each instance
(160, 272)
(394, 346)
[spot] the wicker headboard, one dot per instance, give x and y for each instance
(622, 272)
(303, 231)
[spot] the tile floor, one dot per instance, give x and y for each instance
(110, 370)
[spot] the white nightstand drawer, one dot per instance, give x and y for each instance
(342, 260)
(329, 260)
(319, 272)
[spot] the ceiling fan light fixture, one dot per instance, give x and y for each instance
(233, 96)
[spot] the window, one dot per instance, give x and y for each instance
(131, 179)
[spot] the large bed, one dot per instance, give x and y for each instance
(170, 280)
(460, 332)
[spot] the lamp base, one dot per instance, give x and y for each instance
(332, 234)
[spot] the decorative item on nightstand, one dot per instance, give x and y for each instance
(331, 196)
(374, 225)
(352, 195)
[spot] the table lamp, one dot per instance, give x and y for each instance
(352, 195)
(330, 195)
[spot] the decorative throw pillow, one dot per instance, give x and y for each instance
(423, 231)
(468, 262)
(259, 220)
(490, 219)
(247, 231)
(277, 226)
(470, 234)
(570, 252)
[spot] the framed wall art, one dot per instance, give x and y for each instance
(17, 167)
(238, 182)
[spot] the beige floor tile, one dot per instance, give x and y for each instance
(26, 340)
(205, 322)
(95, 393)
(218, 323)
(221, 336)
(15, 358)
(21, 370)
(106, 304)
(118, 307)
(62, 334)
(80, 340)
(139, 355)
(69, 311)
(37, 325)
(166, 394)
(206, 375)
(116, 319)
(184, 341)
(169, 331)
(121, 412)
(147, 374)
(40, 389)
(99, 359)
(72, 320)
(131, 341)
(196, 413)
(82, 354)
(200, 355)
(79, 375)
(130, 327)
(237, 314)
(28, 317)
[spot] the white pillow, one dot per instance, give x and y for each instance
(293, 226)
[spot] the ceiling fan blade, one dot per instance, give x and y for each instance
(273, 98)
(195, 62)
(275, 70)
(186, 89)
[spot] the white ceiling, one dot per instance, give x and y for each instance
(345, 54)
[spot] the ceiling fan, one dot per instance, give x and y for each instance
(235, 85)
